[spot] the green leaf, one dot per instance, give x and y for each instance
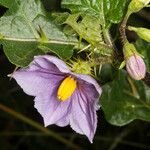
(21, 31)
(124, 100)
(114, 10)
(144, 48)
(106, 10)
(83, 25)
(21, 53)
(7, 3)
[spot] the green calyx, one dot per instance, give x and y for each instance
(129, 50)
(136, 5)
(81, 67)
(141, 32)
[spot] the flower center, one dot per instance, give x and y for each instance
(66, 88)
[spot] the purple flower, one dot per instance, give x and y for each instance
(136, 67)
(61, 96)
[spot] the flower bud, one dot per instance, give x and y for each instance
(136, 67)
(134, 63)
(136, 5)
(141, 32)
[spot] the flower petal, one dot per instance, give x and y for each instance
(52, 110)
(83, 118)
(35, 82)
(61, 65)
(90, 80)
(63, 122)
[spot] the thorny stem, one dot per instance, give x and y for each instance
(122, 28)
(38, 126)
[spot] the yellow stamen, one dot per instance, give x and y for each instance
(66, 88)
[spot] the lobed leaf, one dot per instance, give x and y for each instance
(22, 28)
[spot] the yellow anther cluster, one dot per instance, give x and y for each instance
(66, 88)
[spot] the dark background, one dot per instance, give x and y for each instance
(15, 134)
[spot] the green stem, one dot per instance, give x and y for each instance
(105, 31)
(38, 126)
(107, 38)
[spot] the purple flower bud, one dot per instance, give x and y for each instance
(136, 67)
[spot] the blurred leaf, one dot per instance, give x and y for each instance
(7, 3)
(21, 29)
(106, 10)
(124, 100)
(144, 48)
(38, 126)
